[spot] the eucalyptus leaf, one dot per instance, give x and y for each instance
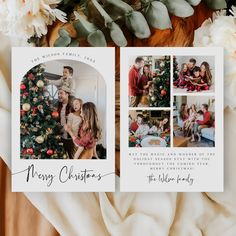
(74, 43)
(193, 2)
(63, 40)
(97, 39)
(117, 35)
(114, 12)
(120, 5)
(136, 22)
(216, 4)
(102, 12)
(82, 26)
(179, 8)
(115, 31)
(157, 15)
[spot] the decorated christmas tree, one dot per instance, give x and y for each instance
(175, 69)
(159, 94)
(40, 128)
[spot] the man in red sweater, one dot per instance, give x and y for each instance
(200, 124)
(134, 91)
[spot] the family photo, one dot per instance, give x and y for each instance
(149, 128)
(62, 114)
(193, 74)
(194, 121)
(149, 81)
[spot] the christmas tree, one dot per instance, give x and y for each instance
(159, 94)
(175, 69)
(39, 129)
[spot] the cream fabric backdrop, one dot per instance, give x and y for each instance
(130, 214)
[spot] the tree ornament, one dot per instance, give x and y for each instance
(26, 106)
(49, 131)
(39, 139)
(31, 76)
(22, 87)
(35, 99)
(29, 151)
(55, 114)
(35, 129)
(153, 98)
(40, 107)
(163, 92)
(22, 112)
(40, 83)
(161, 87)
(50, 152)
(162, 64)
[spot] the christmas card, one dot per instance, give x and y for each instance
(171, 120)
(63, 119)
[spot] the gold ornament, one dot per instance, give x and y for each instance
(49, 131)
(40, 107)
(39, 139)
(153, 98)
(40, 83)
(26, 106)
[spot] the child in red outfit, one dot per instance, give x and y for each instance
(180, 82)
(89, 131)
(196, 82)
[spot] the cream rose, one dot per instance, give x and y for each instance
(221, 32)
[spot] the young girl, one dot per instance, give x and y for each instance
(198, 117)
(89, 131)
(195, 82)
(143, 127)
(74, 118)
(189, 123)
(180, 82)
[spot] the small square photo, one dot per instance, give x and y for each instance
(194, 121)
(193, 74)
(149, 81)
(149, 128)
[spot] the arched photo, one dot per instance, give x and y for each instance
(63, 112)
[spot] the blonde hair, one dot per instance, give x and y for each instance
(80, 101)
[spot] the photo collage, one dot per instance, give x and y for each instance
(171, 101)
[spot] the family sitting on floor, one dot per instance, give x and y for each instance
(142, 127)
(195, 120)
(194, 78)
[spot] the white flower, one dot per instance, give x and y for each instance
(221, 32)
(26, 18)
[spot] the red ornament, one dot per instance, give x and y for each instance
(22, 87)
(22, 112)
(29, 151)
(31, 76)
(163, 92)
(154, 74)
(55, 114)
(50, 152)
(34, 110)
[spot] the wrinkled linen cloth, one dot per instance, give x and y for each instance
(130, 214)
